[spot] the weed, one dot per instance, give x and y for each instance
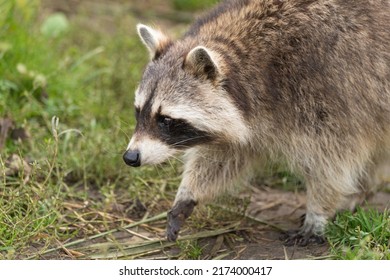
(360, 235)
(190, 250)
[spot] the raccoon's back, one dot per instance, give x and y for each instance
(304, 62)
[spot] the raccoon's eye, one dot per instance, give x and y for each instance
(164, 121)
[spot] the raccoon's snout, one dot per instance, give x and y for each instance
(132, 158)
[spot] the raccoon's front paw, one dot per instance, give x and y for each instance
(300, 238)
(177, 216)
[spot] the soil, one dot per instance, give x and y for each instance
(275, 208)
(285, 209)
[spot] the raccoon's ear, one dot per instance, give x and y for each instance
(202, 62)
(154, 40)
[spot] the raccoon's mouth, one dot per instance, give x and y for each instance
(156, 148)
(144, 150)
(135, 158)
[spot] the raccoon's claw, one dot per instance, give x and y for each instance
(296, 237)
(177, 216)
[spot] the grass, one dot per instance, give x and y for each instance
(190, 5)
(69, 194)
(71, 93)
(360, 235)
(87, 83)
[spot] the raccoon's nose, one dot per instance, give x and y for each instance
(132, 158)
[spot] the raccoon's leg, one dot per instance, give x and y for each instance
(207, 173)
(323, 200)
(177, 216)
(377, 176)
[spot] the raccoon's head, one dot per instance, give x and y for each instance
(180, 102)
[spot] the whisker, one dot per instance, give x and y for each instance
(186, 140)
(124, 132)
(170, 163)
(178, 159)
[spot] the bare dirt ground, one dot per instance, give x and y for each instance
(254, 235)
(257, 237)
(285, 210)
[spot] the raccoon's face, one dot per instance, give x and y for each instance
(180, 103)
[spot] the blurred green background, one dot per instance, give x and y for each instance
(68, 70)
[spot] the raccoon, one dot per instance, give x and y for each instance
(302, 81)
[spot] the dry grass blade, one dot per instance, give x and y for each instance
(240, 251)
(157, 245)
(325, 257)
(138, 235)
(246, 215)
(133, 250)
(80, 241)
(65, 250)
(285, 253)
(222, 256)
(217, 246)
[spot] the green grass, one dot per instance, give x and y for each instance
(190, 5)
(361, 235)
(85, 79)
(190, 250)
